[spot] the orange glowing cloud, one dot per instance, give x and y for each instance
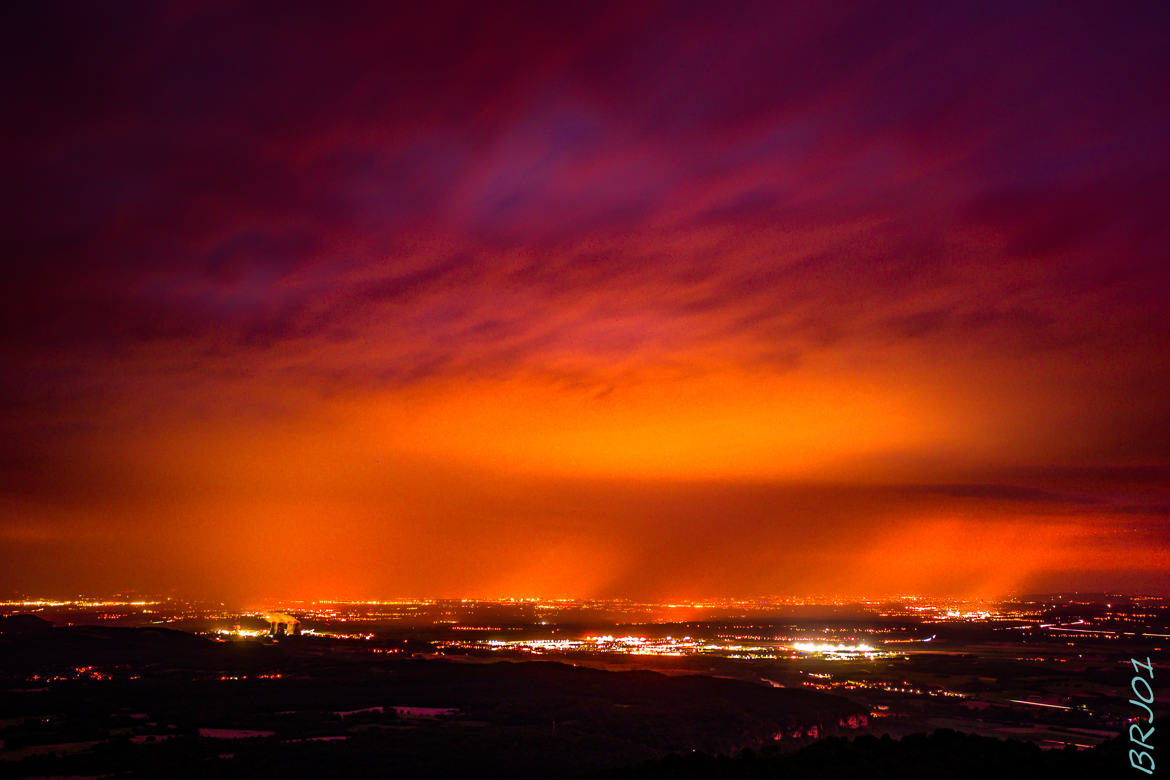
(597, 302)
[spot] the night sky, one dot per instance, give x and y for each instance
(647, 300)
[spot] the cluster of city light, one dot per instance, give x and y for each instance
(949, 612)
(77, 673)
(331, 635)
(676, 646)
(247, 633)
(385, 603)
(624, 645)
(980, 614)
(83, 603)
(835, 652)
(877, 685)
(253, 633)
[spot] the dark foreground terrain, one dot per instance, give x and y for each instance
(125, 702)
(944, 754)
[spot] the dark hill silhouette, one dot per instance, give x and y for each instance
(944, 754)
(23, 624)
(27, 647)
